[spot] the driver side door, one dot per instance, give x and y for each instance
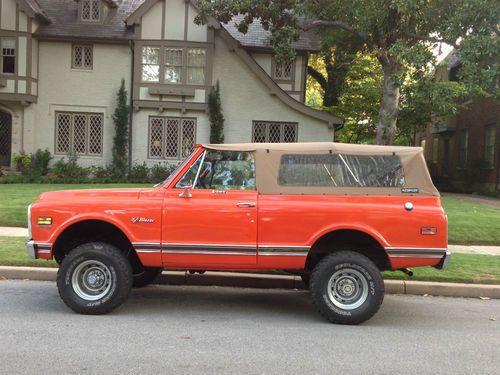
(210, 215)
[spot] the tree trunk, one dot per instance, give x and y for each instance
(389, 106)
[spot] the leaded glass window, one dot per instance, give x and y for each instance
(79, 133)
(274, 132)
(83, 57)
(171, 137)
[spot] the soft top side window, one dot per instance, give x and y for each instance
(221, 170)
(341, 170)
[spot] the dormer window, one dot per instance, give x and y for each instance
(91, 10)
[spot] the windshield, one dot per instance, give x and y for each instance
(177, 169)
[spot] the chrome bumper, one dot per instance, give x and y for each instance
(30, 247)
(444, 261)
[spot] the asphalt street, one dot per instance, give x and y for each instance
(219, 330)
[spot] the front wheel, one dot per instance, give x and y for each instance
(94, 278)
(347, 288)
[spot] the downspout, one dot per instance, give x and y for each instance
(131, 105)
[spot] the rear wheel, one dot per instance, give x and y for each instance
(347, 288)
(145, 277)
(94, 278)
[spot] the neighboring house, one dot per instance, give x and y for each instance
(463, 151)
(62, 61)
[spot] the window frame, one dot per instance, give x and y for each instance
(163, 47)
(274, 66)
(435, 150)
(83, 47)
(282, 130)
(2, 40)
(488, 145)
(180, 132)
(91, 20)
(72, 115)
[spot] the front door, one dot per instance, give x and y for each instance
(5, 138)
(210, 216)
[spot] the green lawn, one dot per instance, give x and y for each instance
(469, 223)
(463, 268)
(15, 198)
(472, 223)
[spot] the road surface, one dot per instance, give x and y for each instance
(215, 330)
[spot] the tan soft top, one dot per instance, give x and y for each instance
(268, 157)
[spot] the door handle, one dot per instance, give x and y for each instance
(246, 204)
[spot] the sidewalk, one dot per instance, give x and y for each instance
(462, 249)
(265, 281)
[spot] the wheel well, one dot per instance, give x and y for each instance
(347, 239)
(93, 231)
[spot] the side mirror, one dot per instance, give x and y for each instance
(186, 193)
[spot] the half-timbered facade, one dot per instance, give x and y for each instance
(62, 62)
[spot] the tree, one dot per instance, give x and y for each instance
(215, 115)
(119, 164)
(400, 34)
(338, 54)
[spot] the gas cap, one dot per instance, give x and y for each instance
(408, 206)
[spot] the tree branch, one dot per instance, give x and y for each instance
(340, 25)
(318, 77)
(431, 39)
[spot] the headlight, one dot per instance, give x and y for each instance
(30, 234)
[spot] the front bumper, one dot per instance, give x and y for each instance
(444, 261)
(30, 247)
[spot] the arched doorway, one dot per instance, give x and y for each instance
(5, 138)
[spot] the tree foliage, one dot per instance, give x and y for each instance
(400, 34)
(121, 115)
(215, 115)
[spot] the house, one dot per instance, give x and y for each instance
(62, 62)
(463, 151)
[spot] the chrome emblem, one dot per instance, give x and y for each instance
(135, 220)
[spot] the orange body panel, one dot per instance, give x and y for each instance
(240, 229)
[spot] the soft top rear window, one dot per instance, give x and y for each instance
(341, 170)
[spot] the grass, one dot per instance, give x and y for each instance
(15, 198)
(463, 268)
(469, 223)
(13, 253)
(472, 223)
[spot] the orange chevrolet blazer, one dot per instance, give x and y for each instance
(335, 214)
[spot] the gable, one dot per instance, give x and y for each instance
(168, 20)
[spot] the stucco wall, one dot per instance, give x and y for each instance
(62, 88)
(245, 98)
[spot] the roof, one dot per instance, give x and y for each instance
(340, 168)
(347, 148)
(33, 9)
(258, 37)
(63, 14)
(452, 59)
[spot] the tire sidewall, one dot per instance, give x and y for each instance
(319, 288)
(97, 252)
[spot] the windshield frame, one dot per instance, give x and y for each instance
(179, 170)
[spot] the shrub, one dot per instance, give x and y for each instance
(69, 170)
(160, 172)
(119, 164)
(39, 164)
(139, 172)
(22, 161)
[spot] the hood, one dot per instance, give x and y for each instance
(108, 194)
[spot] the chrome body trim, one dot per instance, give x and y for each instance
(35, 248)
(416, 252)
(153, 251)
(297, 254)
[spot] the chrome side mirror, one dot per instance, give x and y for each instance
(186, 193)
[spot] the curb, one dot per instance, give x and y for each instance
(266, 281)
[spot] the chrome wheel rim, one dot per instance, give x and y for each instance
(91, 280)
(348, 289)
